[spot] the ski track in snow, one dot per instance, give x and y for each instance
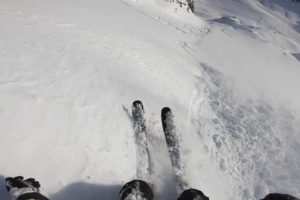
(256, 141)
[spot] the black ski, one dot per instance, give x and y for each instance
(143, 156)
(183, 190)
(173, 144)
(139, 189)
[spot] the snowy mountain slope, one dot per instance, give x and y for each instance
(71, 69)
(264, 72)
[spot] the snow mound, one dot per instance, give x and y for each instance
(234, 22)
(171, 6)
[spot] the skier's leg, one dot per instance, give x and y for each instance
(136, 190)
(192, 194)
(21, 189)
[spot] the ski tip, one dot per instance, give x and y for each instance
(137, 102)
(165, 110)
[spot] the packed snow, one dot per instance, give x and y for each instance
(70, 70)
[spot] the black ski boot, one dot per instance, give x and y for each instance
(192, 194)
(278, 196)
(136, 190)
(24, 189)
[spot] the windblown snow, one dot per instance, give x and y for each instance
(70, 70)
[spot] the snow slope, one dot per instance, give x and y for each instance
(69, 71)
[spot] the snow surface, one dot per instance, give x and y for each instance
(69, 71)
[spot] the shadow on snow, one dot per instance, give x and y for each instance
(76, 191)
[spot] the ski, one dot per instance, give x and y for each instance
(184, 192)
(142, 151)
(140, 188)
(174, 148)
